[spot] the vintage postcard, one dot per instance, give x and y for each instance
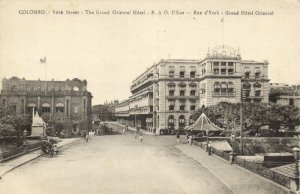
(149, 96)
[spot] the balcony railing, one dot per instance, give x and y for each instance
(223, 93)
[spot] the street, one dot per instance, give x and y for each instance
(115, 164)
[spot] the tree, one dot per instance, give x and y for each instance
(9, 121)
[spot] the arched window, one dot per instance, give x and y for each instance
(45, 108)
(59, 107)
(181, 121)
(31, 107)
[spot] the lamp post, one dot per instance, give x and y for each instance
(231, 154)
(296, 152)
(207, 131)
(24, 136)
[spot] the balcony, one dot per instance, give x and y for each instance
(222, 94)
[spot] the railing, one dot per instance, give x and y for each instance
(264, 172)
(223, 93)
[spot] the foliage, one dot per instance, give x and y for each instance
(12, 123)
(255, 115)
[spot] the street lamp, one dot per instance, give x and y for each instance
(231, 154)
(207, 131)
(296, 152)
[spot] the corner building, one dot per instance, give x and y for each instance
(62, 104)
(164, 96)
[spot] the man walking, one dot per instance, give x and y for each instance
(141, 137)
(178, 137)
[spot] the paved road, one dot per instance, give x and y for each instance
(115, 164)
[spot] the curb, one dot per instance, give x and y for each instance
(42, 154)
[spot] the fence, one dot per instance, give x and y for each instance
(251, 166)
(264, 172)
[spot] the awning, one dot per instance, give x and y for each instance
(257, 85)
(171, 84)
(182, 84)
(230, 85)
(257, 70)
(223, 85)
(59, 105)
(45, 105)
(171, 102)
(193, 68)
(182, 102)
(31, 105)
(217, 85)
(246, 85)
(247, 70)
(182, 68)
(171, 69)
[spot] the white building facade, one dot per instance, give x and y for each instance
(169, 92)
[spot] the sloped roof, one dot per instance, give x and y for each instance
(286, 170)
(221, 145)
(203, 123)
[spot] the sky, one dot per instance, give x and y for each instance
(110, 51)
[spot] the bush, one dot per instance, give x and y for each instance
(7, 130)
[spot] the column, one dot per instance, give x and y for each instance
(52, 106)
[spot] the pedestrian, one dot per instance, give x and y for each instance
(178, 137)
(141, 137)
(135, 134)
(124, 130)
(86, 137)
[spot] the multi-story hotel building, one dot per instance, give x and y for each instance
(65, 102)
(165, 95)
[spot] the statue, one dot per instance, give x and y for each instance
(37, 127)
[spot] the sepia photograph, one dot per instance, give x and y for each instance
(149, 97)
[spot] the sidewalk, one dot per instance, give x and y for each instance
(5, 167)
(131, 128)
(238, 180)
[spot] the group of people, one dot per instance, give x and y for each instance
(189, 138)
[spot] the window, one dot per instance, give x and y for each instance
(230, 71)
(182, 107)
(181, 121)
(217, 87)
(191, 121)
(291, 102)
(14, 88)
(216, 68)
(223, 88)
(171, 71)
(192, 74)
(171, 104)
(181, 74)
(193, 107)
(45, 108)
(230, 88)
(182, 92)
(223, 71)
(247, 72)
(247, 93)
(192, 92)
(59, 108)
(257, 72)
(30, 108)
(171, 92)
(257, 93)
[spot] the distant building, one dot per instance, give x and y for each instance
(104, 112)
(65, 103)
(286, 94)
(165, 95)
